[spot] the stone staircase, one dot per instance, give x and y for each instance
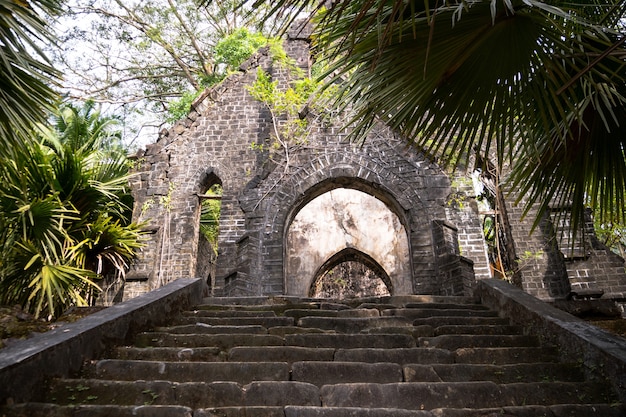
(419, 356)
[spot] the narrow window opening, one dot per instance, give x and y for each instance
(210, 210)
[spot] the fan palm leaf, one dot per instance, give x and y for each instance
(26, 77)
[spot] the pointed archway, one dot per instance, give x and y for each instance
(350, 274)
(345, 223)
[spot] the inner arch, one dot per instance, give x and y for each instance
(341, 219)
(351, 273)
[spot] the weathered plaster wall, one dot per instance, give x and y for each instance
(345, 218)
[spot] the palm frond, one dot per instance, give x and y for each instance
(26, 77)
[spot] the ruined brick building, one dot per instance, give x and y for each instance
(438, 243)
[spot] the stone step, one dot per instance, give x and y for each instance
(325, 373)
(308, 411)
(485, 329)
(439, 321)
(276, 309)
(506, 355)
(239, 372)
(474, 395)
(202, 328)
(414, 331)
(140, 392)
(447, 306)
(403, 300)
(559, 410)
(297, 314)
(53, 410)
(228, 313)
(501, 374)
(417, 313)
(567, 410)
(223, 341)
(91, 410)
(267, 322)
(348, 341)
(415, 355)
(400, 356)
(199, 354)
(282, 331)
(280, 353)
(353, 325)
(457, 341)
(187, 394)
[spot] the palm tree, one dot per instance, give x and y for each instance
(537, 86)
(62, 221)
(26, 77)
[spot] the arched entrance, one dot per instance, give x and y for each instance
(346, 224)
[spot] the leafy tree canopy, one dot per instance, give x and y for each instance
(148, 59)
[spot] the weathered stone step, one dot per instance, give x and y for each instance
(277, 309)
(199, 354)
(505, 355)
(297, 314)
(280, 354)
(559, 410)
(460, 321)
(400, 356)
(187, 394)
(240, 372)
(566, 410)
(228, 313)
(90, 410)
(414, 331)
(501, 374)
(325, 373)
(267, 322)
(83, 410)
(223, 341)
(308, 411)
(202, 328)
(353, 325)
(402, 300)
(416, 313)
(282, 331)
(473, 395)
(388, 341)
(478, 329)
(448, 306)
(457, 341)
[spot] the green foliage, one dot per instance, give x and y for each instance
(234, 49)
(229, 53)
(28, 80)
(285, 106)
(62, 221)
(179, 109)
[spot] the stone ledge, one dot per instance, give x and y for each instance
(24, 366)
(578, 341)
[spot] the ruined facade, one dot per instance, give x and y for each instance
(439, 245)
